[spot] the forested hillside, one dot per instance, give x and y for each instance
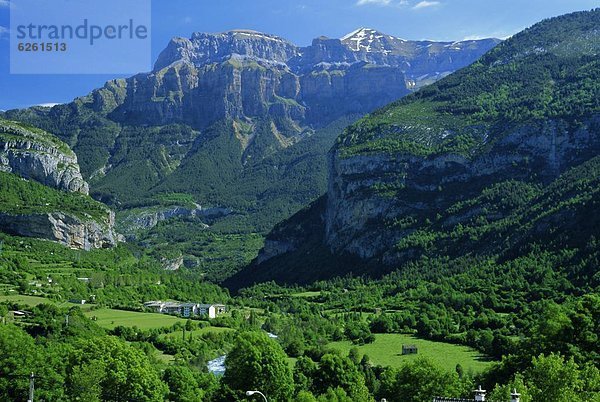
(497, 159)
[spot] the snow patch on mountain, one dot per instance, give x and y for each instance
(370, 40)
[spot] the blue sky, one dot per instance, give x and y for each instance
(299, 21)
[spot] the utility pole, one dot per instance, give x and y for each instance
(31, 387)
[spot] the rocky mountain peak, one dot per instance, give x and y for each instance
(370, 40)
(206, 48)
(362, 45)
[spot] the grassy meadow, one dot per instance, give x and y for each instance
(387, 351)
(110, 319)
(28, 300)
(198, 332)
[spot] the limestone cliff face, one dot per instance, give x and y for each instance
(206, 48)
(358, 215)
(198, 96)
(145, 219)
(246, 74)
(239, 88)
(63, 228)
(38, 156)
(357, 89)
(34, 154)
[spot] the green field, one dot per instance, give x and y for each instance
(27, 300)
(197, 332)
(110, 319)
(35, 300)
(387, 351)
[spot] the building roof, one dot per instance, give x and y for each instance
(158, 303)
(442, 399)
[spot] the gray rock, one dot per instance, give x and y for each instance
(239, 74)
(148, 218)
(40, 157)
(172, 264)
(65, 229)
(36, 155)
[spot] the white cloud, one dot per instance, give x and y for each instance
(376, 2)
(4, 3)
(502, 35)
(49, 104)
(475, 37)
(3, 31)
(425, 4)
(399, 3)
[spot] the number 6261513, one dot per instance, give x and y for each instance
(42, 47)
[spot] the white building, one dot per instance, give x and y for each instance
(186, 309)
(479, 397)
(211, 310)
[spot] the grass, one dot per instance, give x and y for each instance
(19, 196)
(109, 319)
(165, 358)
(308, 294)
(26, 300)
(197, 332)
(387, 351)
(32, 301)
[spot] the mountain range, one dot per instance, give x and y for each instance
(237, 122)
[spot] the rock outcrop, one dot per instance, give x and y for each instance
(145, 219)
(356, 213)
(63, 228)
(33, 204)
(34, 154)
(206, 48)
